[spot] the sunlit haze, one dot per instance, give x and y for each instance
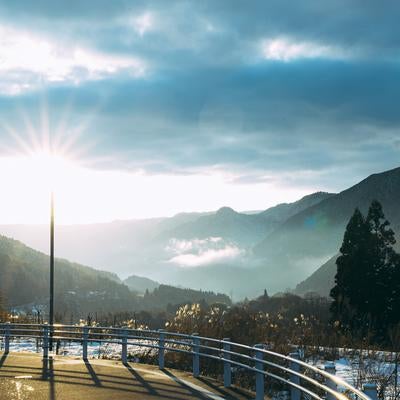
(84, 195)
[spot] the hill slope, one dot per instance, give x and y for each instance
(321, 281)
(79, 290)
(317, 232)
(242, 228)
(25, 280)
(140, 284)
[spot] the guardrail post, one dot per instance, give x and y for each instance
(370, 389)
(7, 338)
(45, 344)
(85, 342)
(259, 375)
(161, 347)
(227, 364)
(196, 356)
(330, 368)
(295, 393)
(124, 352)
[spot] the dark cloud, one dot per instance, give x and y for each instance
(210, 101)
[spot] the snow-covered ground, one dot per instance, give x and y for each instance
(95, 349)
(373, 367)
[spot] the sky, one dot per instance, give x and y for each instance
(137, 109)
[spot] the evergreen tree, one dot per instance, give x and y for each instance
(348, 292)
(393, 294)
(366, 294)
(381, 262)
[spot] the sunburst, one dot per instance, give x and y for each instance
(48, 152)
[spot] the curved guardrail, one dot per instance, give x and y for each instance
(302, 378)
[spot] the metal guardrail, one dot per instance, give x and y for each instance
(304, 380)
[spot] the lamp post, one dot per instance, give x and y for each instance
(51, 313)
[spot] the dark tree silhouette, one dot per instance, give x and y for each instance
(381, 262)
(367, 288)
(352, 263)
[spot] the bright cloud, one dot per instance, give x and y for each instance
(143, 23)
(283, 49)
(27, 60)
(202, 252)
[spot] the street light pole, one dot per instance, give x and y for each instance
(51, 314)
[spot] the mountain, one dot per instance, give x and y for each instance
(316, 233)
(79, 290)
(25, 280)
(277, 215)
(318, 229)
(321, 281)
(141, 247)
(226, 223)
(140, 284)
(124, 247)
(243, 228)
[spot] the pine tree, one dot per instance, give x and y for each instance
(381, 258)
(348, 293)
(366, 295)
(393, 294)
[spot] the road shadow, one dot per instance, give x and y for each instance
(142, 381)
(92, 373)
(3, 359)
(136, 382)
(228, 394)
(182, 384)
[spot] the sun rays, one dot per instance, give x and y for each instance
(42, 137)
(48, 149)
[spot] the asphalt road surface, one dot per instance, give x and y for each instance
(27, 377)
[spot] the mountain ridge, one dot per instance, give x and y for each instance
(385, 187)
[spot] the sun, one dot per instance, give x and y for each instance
(49, 167)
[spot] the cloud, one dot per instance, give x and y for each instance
(142, 23)
(202, 252)
(294, 92)
(283, 49)
(28, 61)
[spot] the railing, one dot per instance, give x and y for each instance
(303, 379)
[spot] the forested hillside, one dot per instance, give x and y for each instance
(24, 284)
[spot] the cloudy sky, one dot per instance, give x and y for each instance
(152, 108)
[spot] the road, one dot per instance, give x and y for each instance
(27, 377)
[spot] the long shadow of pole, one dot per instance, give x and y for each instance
(48, 375)
(3, 359)
(143, 382)
(194, 392)
(92, 373)
(223, 391)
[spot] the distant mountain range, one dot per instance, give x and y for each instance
(79, 290)
(189, 249)
(318, 230)
(233, 252)
(242, 228)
